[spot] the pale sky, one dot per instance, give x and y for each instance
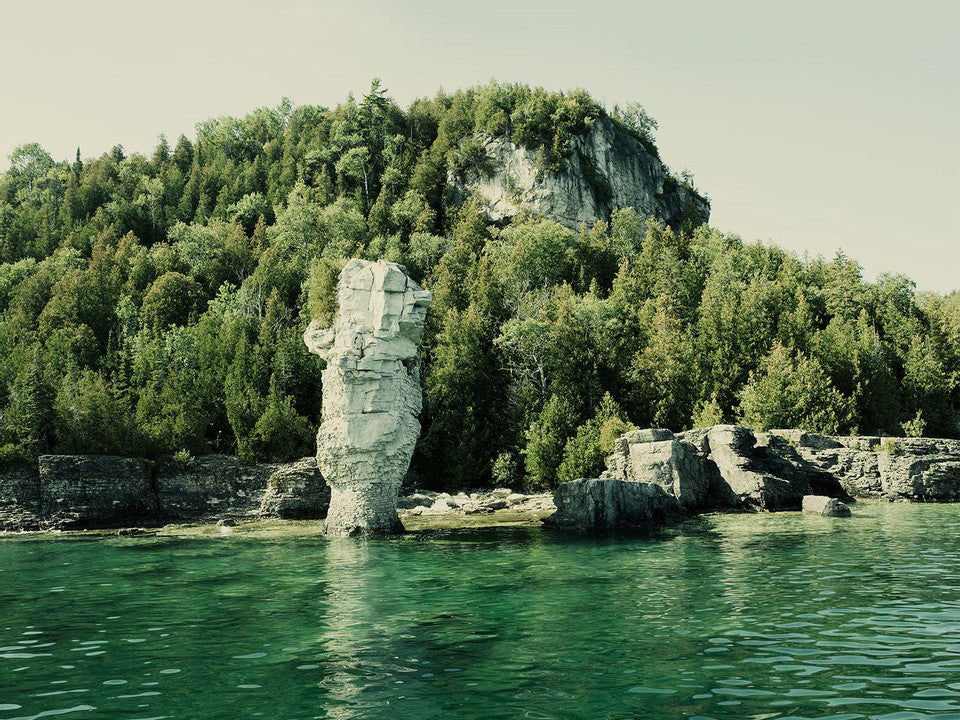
(814, 125)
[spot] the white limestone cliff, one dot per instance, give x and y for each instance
(371, 394)
(607, 168)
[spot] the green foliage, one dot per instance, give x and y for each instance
(92, 416)
(585, 453)
(504, 470)
(156, 303)
(927, 388)
(635, 118)
(793, 392)
(916, 426)
(13, 455)
(322, 290)
(171, 299)
(28, 416)
(708, 413)
(546, 441)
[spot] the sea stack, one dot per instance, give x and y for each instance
(371, 394)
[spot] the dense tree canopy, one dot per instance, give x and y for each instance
(156, 304)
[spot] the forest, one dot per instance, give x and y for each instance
(156, 304)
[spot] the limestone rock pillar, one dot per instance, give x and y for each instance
(371, 394)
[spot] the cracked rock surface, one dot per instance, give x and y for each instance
(371, 394)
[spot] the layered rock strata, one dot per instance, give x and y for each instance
(20, 498)
(913, 469)
(99, 491)
(94, 491)
(371, 394)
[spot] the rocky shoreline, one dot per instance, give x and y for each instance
(65, 492)
(653, 477)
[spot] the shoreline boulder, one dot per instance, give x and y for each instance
(825, 506)
(607, 503)
(296, 491)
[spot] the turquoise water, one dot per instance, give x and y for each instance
(769, 616)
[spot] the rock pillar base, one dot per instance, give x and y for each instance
(371, 510)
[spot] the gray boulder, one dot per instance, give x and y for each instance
(725, 466)
(95, 491)
(746, 472)
(296, 491)
(658, 456)
(608, 503)
(825, 506)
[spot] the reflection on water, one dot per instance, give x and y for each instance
(746, 616)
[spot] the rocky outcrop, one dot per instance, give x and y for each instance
(760, 471)
(607, 168)
(723, 467)
(726, 466)
(662, 458)
(95, 491)
(371, 394)
(913, 469)
(20, 498)
(296, 491)
(607, 503)
(825, 506)
(427, 502)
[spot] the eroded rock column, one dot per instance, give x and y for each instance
(371, 394)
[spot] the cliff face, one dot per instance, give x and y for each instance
(607, 168)
(72, 492)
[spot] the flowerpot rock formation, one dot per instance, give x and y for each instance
(371, 394)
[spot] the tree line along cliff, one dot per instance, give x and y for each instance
(155, 304)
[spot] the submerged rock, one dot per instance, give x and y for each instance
(371, 394)
(826, 506)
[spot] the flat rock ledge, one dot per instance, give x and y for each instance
(80, 492)
(825, 506)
